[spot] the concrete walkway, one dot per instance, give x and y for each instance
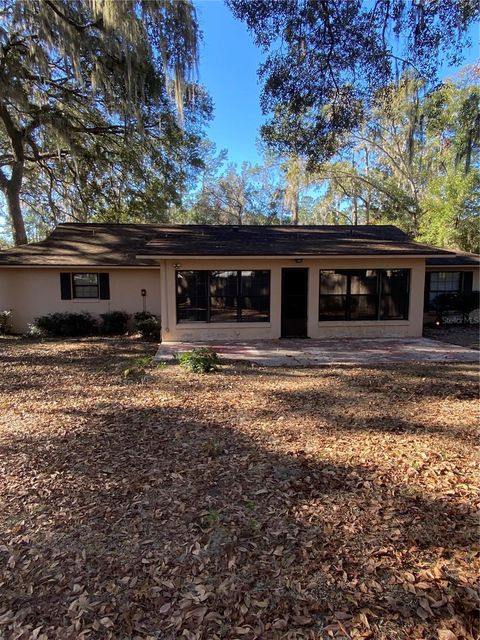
(304, 353)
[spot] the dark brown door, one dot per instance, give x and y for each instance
(294, 303)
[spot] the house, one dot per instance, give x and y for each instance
(234, 282)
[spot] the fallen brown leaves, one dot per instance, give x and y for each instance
(253, 503)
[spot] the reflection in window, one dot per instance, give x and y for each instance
(85, 285)
(223, 296)
(364, 294)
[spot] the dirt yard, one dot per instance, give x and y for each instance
(465, 336)
(249, 503)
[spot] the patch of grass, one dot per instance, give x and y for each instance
(203, 360)
(140, 366)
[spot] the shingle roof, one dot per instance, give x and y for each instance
(459, 259)
(102, 245)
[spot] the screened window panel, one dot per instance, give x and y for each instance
(255, 296)
(333, 283)
(333, 295)
(223, 296)
(395, 294)
(192, 296)
(85, 285)
(444, 282)
(333, 307)
(364, 282)
(363, 307)
(368, 294)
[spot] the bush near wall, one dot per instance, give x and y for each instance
(148, 325)
(114, 323)
(5, 322)
(67, 324)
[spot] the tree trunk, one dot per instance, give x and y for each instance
(11, 188)
(296, 207)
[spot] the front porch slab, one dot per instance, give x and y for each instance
(341, 351)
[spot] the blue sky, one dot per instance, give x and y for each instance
(228, 69)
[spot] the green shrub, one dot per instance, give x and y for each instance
(114, 323)
(138, 368)
(5, 322)
(66, 324)
(201, 360)
(147, 324)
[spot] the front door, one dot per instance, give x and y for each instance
(294, 303)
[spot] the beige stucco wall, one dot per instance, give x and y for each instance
(171, 331)
(34, 292)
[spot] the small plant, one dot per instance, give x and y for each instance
(34, 332)
(114, 323)
(212, 518)
(66, 324)
(139, 367)
(148, 325)
(5, 322)
(203, 360)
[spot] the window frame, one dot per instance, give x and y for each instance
(74, 286)
(379, 295)
(460, 289)
(239, 317)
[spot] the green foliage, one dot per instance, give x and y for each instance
(212, 518)
(328, 62)
(140, 366)
(202, 360)
(5, 322)
(66, 324)
(114, 323)
(99, 115)
(148, 325)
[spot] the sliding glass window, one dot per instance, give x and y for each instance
(364, 294)
(223, 296)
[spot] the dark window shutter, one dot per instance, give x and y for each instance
(66, 286)
(467, 281)
(104, 285)
(426, 302)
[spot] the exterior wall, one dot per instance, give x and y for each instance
(172, 332)
(32, 292)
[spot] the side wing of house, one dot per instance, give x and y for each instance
(30, 292)
(459, 273)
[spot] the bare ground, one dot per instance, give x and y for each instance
(250, 503)
(463, 335)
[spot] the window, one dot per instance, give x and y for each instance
(255, 296)
(85, 285)
(333, 295)
(363, 302)
(364, 294)
(443, 282)
(192, 296)
(395, 285)
(223, 296)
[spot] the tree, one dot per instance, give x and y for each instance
(416, 164)
(328, 61)
(85, 84)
